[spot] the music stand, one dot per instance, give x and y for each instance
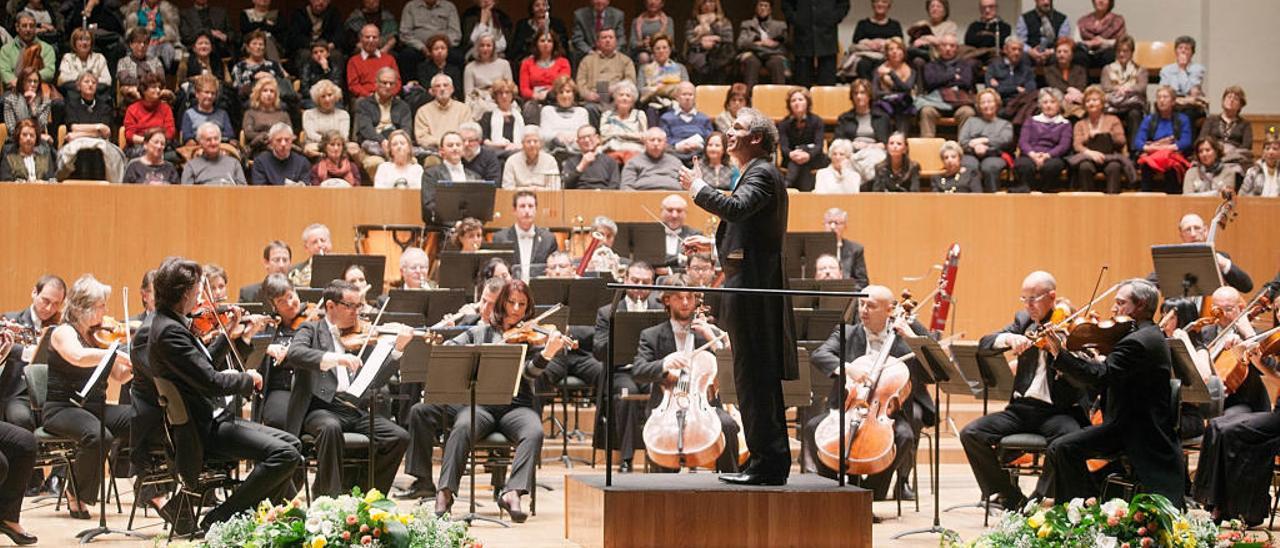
(432, 304)
(988, 369)
(326, 268)
(1194, 389)
(41, 354)
(795, 393)
(815, 325)
(456, 200)
(471, 375)
(559, 318)
(411, 319)
(497, 246)
(583, 296)
(936, 365)
(458, 269)
(801, 249)
(309, 294)
(254, 362)
(646, 241)
(819, 302)
(1186, 270)
(628, 326)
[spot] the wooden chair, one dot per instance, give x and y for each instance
(4, 133)
(771, 99)
(925, 151)
(709, 99)
(829, 102)
(1152, 55)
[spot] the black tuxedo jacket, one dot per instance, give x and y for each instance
(674, 260)
(655, 344)
(600, 338)
(306, 349)
(1067, 397)
(544, 244)
(852, 264)
(1138, 408)
(12, 381)
(175, 354)
(749, 241)
(826, 359)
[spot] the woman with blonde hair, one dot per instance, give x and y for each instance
(325, 117)
(400, 170)
(264, 111)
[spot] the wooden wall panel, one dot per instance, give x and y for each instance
(117, 232)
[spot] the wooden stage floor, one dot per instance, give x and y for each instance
(547, 528)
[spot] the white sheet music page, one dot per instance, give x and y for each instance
(369, 370)
(97, 371)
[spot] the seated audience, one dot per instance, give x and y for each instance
(319, 66)
(1125, 84)
(31, 100)
(280, 165)
(420, 21)
(601, 68)
(623, 127)
(645, 29)
(477, 157)
(132, 69)
(145, 114)
(1209, 175)
(204, 59)
(531, 167)
(450, 167)
(160, 19)
(25, 162)
(264, 112)
(716, 165)
(503, 125)
(372, 12)
(894, 84)
(441, 61)
(1163, 142)
(261, 17)
(1099, 142)
(443, 114)
(400, 170)
(590, 168)
(363, 67)
(12, 52)
(587, 23)
(924, 34)
(1186, 79)
(480, 74)
(898, 172)
(986, 140)
(255, 66)
(1015, 80)
(205, 110)
(543, 65)
(762, 44)
(948, 87)
(561, 119)
(324, 117)
(202, 18)
(371, 127)
(1044, 142)
(1232, 131)
(1263, 177)
(485, 18)
(708, 42)
(1100, 29)
(954, 176)
(840, 177)
(870, 37)
(800, 139)
(658, 78)
(82, 59)
(739, 96)
(686, 128)
(334, 167)
(212, 166)
(151, 168)
(1068, 77)
(1039, 30)
(521, 44)
(987, 34)
(656, 169)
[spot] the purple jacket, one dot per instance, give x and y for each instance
(1041, 137)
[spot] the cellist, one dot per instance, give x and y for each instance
(867, 337)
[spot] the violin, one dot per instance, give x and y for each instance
(207, 317)
(1092, 333)
(112, 331)
(353, 338)
(309, 313)
(533, 333)
(1231, 365)
(21, 333)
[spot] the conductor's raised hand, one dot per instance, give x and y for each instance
(688, 176)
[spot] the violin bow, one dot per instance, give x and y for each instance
(222, 328)
(128, 337)
(373, 326)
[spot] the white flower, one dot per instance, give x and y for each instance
(1073, 510)
(1103, 541)
(313, 524)
(1111, 507)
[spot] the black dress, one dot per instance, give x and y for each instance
(1233, 478)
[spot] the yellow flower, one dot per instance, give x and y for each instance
(1044, 531)
(373, 496)
(318, 542)
(377, 515)
(1181, 525)
(1036, 520)
(404, 519)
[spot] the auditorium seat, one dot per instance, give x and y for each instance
(1152, 55)
(709, 99)
(829, 102)
(771, 99)
(925, 151)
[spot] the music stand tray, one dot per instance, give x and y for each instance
(583, 296)
(458, 269)
(801, 249)
(456, 200)
(432, 304)
(326, 268)
(795, 393)
(1186, 270)
(990, 368)
(646, 241)
(309, 294)
(822, 303)
(815, 325)
(411, 319)
(953, 381)
(627, 327)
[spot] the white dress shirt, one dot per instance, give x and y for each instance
(1039, 388)
(524, 246)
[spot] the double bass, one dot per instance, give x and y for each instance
(685, 430)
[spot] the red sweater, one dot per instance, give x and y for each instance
(138, 119)
(362, 74)
(533, 76)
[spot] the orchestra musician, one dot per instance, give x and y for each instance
(674, 210)
(852, 262)
(277, 257)
(520, 420)
(415, 269)
(323, 367)
(145, 428)
(665, 349)
(47, 299)
(1233, 477)
(175, 354)
(73, 357)
(868, 337)
(626, 414)
(280, 296)
(1137, 416)
(316, 240)
(1192, 230)
(827, 267)
(17, 461)
(1252, 395)
(579, 362)
(761, 329)
(1042, 401)
(467, 235)
(533, 243)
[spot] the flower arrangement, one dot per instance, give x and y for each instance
(349, 520)
(1148, 520)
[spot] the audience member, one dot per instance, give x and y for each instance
(925, 34)
(504, 125)
(334, 166)
(762, 44)
(151, 168)
(1125, 84)
(658, 78)
(82, 59)
(25, 162)
(145, 114)
(1231, 130)
(317, 20)
(601, 68)
(800, 139)
(11, 53)
(545, 63)
(440, 60)
(948, 83)
(325, 117)
(987, 139)
(894, 84)
(814, 31)
(160, 20)
(1099, 141)
(623, 127)
(531, 167)
(870, 36)
(480, 74)
(591, 168)
(987, 34)
(443, 114)
(561, 119)
(686, 128)
(372, 128)
(1263, 177)
(1209, 175)
(1163, 141)
(1185, 78)
(400, 170)
(30, 100)
(1039, 30)
(280, 165)
(954, 176)
(739, 96)
(589, 21)
(1099, 31)
(363, 67)
(477, 157)
(527, 29)
(898, 172)
(450, 167)
(1044, 142)
(717, 167)
(839, 177)
(866, 129)
(420, 21)
(371, 12)
(656, 169)
(708, 42)
(485, 18)
(261, 17)
(131, 70)
(1015, 80)
(1068, 77)
(264, 112)
(204, 110)
(256, 66)
(212, 166)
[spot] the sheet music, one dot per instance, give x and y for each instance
(369, 370)
(107, 358)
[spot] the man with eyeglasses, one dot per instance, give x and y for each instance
(1042, 403)
(850, 253)
(323, 370)
(1193, 230)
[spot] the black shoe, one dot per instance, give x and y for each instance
(754, 478)
(625, 467)
(420, 489)
(905, 492)
(444, 501)
(183, 524)
(21, 539)
(513, 509)
(165, 512)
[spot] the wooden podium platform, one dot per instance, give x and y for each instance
(698, 510)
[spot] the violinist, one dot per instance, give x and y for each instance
(322, 368)
(426, 420)
(316, 240)
(216, 276)
(17, 452)
(73, 356)
(276, 259)
(280, 297)
(1251, 396)
(175, 354)
(519, 420)
(867, 338)
(1138, 420)
(665, 349)
(577, 362)
(1234, 472)
(45, 311)
(628, 413)
(1042, 402)
(145, 429)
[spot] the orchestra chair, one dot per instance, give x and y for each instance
(569, 391)
(496, 453)
(1124, 480)
(924, 150)
(194, 486)
(829, 102)
(709, 99)
(51, 450)
(355, 460)
(1010, 451)
(771, 99)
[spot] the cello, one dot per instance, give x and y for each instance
(684, 430)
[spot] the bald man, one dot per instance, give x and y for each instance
(656, 169)
(867, 338)
(1042, 402)
(1193, 230)
(1251, 396)
(674, 210)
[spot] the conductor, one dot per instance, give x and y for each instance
(749, 242)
